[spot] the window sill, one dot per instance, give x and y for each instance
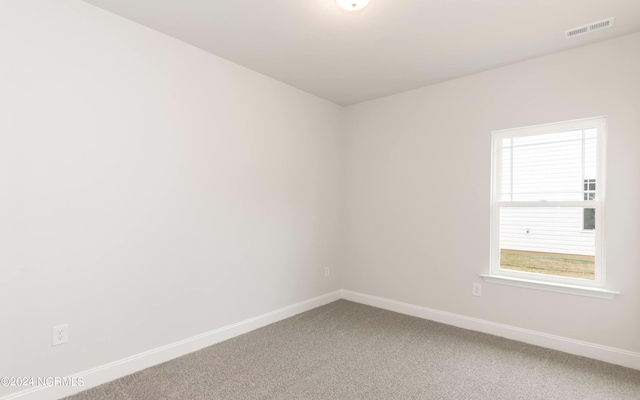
(550, 287)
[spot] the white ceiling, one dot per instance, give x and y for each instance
(389, 47)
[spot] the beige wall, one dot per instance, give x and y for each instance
(418, 186)
(149, 191)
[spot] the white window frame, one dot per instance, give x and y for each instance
(578, 286)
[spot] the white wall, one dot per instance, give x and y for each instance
(418, 187)
(149, 191)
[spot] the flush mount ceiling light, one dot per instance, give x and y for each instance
(353, 5)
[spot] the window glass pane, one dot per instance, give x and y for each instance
(547, 138)
(589, 189)
(590, 158)
(506, 175)
(549, 167)
(589, 219)
(547, 240)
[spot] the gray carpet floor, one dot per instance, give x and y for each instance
(350, 351)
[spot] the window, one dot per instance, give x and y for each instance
(589, 214)
(547, 211)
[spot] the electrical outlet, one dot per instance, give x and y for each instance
(477, 289)
(327, 271)
(60, 334)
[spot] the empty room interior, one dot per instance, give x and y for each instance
(319, 199)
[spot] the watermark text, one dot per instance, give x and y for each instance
(29, 381)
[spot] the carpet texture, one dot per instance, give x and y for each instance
(351, 351)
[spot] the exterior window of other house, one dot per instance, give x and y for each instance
(546, 209)
(589, 214)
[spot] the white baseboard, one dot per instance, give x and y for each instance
(591, 350)
(117, 369)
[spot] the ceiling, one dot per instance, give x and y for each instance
(389, 47)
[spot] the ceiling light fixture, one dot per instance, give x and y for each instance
(353, 5)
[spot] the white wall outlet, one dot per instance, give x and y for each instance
(327, 271)
(60, 334)
(477, 289)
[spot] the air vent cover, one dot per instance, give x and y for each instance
(583, 30)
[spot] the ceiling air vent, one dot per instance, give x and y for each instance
(595, 26)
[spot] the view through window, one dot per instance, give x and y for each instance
(547, 200)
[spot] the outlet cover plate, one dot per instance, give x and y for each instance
(59, 334)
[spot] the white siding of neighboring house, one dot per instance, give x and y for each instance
(547, 164)
(550, 230)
